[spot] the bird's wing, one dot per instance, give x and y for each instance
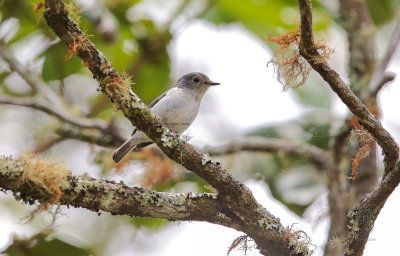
(158, 99)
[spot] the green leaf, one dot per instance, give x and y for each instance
(150, 223)
(39, 246)
(56, 67)
(383, 11)
(265, 17)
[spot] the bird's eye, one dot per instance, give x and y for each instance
(196, 79)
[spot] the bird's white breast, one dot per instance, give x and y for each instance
(177, 109)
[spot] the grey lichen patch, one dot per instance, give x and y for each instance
(168, 140)
(85, 176)
(108, 200)
(299, 247)
(10, 168)
(135, 102)
(200, 195)
(348, 251)
(206, 159)
(269, 224)
(86, 184)
(353, 226)
(149, 197)
(180, 199)
(222, 216)
(263, 222)
(186, 137)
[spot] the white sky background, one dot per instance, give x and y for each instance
(249, 96)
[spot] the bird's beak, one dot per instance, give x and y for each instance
(211, 83)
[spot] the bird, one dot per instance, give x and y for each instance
(177, 108)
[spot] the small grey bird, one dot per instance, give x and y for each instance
(177, 108)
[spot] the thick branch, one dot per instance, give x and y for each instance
(369, 121)
(253, 219)
(115, 198)
(362, 217)
(316, 155)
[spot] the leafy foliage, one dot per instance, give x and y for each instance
(39, 245)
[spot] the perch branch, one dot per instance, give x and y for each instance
(115, 198)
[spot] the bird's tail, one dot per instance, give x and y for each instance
(122, 151)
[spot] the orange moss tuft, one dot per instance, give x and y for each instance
(73, 10)
(158, 170)
(372, 106)
(291, 67)
(49, 175)
(36, 9)
(366, 143)
(77, 45)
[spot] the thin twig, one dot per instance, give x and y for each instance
(316, 155)
(378, 75)
(374, 90)
(90, 136)
(59, 112)
(34, 81)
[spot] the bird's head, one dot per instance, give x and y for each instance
(196, 82)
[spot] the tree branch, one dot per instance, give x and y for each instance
(253, 219)
(369, 121)
(360, 33)
(336, 183)
(90, 136)
(378, 77)
(56, 111)
(34, 81)
(363, 216)
(271, 145)
(115, 198)
(374, 90)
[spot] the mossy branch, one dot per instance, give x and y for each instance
(49, 182)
